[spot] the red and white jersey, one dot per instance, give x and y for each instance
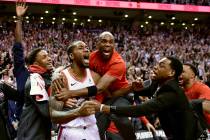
(38, 87)
(74, 84)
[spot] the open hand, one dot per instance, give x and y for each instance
(70, 102)
(21, 7)
(63, 95)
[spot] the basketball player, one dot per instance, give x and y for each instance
(78, 76)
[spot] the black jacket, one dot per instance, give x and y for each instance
(7, 92)
(172, 107)
(35, 122)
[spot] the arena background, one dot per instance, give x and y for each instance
(98, 15)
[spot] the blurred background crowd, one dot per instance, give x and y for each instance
(140, 47)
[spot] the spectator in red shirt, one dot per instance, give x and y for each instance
(194, 89)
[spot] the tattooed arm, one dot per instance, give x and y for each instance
(65, 116)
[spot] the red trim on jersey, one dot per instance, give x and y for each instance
(60, 132)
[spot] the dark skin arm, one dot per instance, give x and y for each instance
(152, 106)
(206, 106)
(21, 8)
(102, 85)
(58, 116)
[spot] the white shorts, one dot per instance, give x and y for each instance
(79, 133)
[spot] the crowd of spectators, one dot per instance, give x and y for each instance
(141, 48)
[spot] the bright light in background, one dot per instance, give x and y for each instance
(172, 23)
(41, 18)
(46, 12)
(53, 22)
(53, 18)
(150, 17)
(126, 16)
(15, 20)
(88, 20)
(75, 19)
(27, 17)
(100, 20)
(183, 24)
(81, 23)
(193, 24)
(63, 19)
(74, 23)
(142, 26)
(14, 16)
(74, 13)
(146, 22)
(186, 28)
(62, 22)
(27, 21)
(195, 19)
(173, 18)
(162, 23)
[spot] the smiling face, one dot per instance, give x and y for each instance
(162, 71)
(106, 45)
(80, 54)
(186, 75)
(43, 60)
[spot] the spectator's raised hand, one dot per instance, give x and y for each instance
(21, 7)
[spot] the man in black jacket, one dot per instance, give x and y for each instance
(169, 102)
(7, 92)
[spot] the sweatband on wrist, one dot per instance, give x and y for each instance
(101, 107)
(92, 91)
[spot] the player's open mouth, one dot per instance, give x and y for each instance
(86, 58)
(106, 53)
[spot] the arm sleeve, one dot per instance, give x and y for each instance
(38, 90)
(39, 95)
(144, 120)
(10, 93)
(204, 92)
(18, 56)
(43, 108)
(154, 105)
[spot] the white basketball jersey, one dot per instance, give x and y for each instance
(74, 84)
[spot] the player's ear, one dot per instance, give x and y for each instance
(71, 56)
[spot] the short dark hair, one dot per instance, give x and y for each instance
(72, 46)
(193, 68)
(32, 56)
(176, 65)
